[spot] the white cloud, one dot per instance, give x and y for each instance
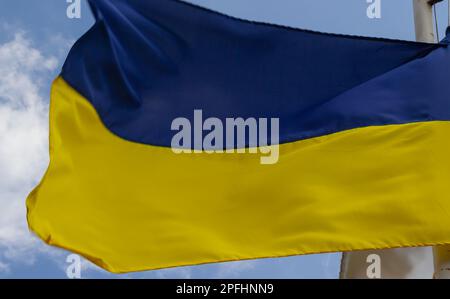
(234, 269)
(61, 43)
(23, 141)
(4, 268)
(180, 272)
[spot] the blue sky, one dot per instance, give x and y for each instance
(35, 37)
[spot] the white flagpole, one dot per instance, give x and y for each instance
(441, 262)
(423, 19)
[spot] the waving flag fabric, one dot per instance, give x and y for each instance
(363, 161)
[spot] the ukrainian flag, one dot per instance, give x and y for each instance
(364, 147)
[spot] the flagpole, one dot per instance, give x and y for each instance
(441, 256)
(423, 20)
